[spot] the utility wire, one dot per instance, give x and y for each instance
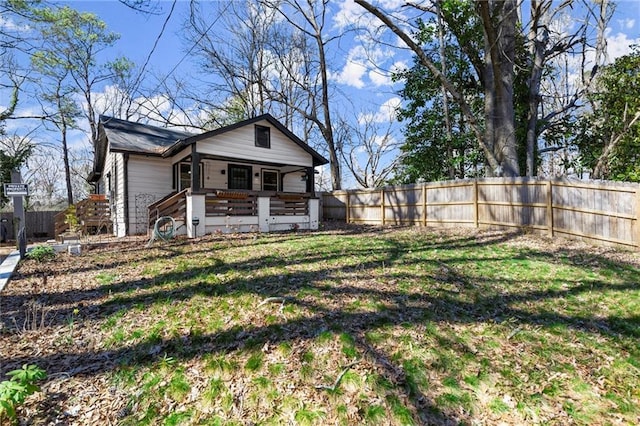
(155, 44)
(195, 44)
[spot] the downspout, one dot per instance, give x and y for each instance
(125, 173)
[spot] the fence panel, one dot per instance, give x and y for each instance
(364, 207)
(334, 205)
(39, 224)
(404, 205)
(514, 202)
(605, 212)
(600, 212)
(450, 203)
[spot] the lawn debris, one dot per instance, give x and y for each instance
(338, 379)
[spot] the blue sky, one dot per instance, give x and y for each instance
(139, 31)
(354, 71)
(360, 74)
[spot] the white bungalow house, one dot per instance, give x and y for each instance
(253, 175)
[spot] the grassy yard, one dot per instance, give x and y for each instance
(348, 326)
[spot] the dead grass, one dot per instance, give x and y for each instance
(344, 326)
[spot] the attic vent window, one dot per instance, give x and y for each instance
(263, 137)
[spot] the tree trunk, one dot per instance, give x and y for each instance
(65, 156)
(495, 158)
(499, 18)
(336, 175)
(538, 39)
(445, 98)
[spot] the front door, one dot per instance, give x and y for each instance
(239, 176)
(270, 180)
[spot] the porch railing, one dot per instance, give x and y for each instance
(290, 204)
(174, 205)
(245, 203)
(231, 203)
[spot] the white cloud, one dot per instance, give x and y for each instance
(399, 66)
(354, 69)
(348, 13)
(367, 61)
(385, 141)
(386, 112)
(10, 25)
(379, 78)
(351, 74)
(619, 44)
(627, 23)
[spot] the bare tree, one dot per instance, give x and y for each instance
(235, 52)
(43, 174)
(309, 19)
(496, 157)
(368, 149)
(66, 59)
(552, 96)
(271, 60)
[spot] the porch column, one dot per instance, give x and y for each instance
(314, 213)
(311, 181)
(264, 212)
(195, 169)
(195, 209)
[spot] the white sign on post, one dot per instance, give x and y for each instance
(16, 189)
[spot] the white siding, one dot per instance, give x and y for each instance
(240, 143)
(213, 177)
(149, 180)
(114, 166)
(293, 183)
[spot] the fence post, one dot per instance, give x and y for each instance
(382, 206)
(549, 208)
(476, 220)
(424, 204)
(347, 215)
(637, 222)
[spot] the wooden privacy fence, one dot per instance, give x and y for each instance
(93, 216)
(604, 212)
(38, 224)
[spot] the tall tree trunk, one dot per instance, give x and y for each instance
(327, 131)
(499, 21)
(538, 39)
(445, 98)
(65, 157)
(62, 126)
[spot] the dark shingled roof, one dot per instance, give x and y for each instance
(140, 138)
(137, 138)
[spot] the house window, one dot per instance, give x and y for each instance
(184, 176)
(263, 137)
(270, 180)
(239, 177)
